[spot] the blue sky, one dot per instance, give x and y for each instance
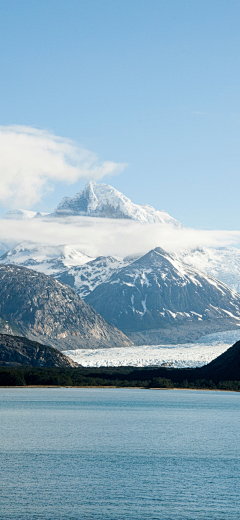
(154, 84)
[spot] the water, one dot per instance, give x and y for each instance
(119, 454)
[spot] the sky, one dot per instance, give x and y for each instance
(139, 94)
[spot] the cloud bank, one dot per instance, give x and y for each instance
(99, 236)
(32, 161)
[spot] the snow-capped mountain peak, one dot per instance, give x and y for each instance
(102, 200)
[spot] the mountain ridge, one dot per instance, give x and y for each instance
(84, 273)
(93, 272)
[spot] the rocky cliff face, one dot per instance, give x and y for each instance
(15, 350)
(160, 299)
(41, 308)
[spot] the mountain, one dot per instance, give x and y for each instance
(86, 278)
(67, 265)
(222, 263)
(41, 308)
(159, 299)
(102, 200)
(85, 273)
(15, 350)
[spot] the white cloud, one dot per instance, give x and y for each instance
(98, 236)
(32, 161)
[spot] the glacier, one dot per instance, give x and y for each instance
(189, 355)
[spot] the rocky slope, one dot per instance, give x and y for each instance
(41, 308)
(102, 200)
(15, 350)
(159, 299)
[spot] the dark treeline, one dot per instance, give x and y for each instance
(117, 377)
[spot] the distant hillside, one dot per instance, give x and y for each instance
(15, 350)
(42, 309)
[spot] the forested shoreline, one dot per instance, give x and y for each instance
(114, 377)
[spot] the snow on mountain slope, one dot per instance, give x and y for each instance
(102, 200)
(156, 293)
(86, 278)
(51, 260)
(154, 298)
(222, 263)
(85, 273)
(69, 266)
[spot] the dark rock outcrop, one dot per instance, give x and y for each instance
(41, 308)
(18, 351)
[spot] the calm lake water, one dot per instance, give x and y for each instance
(119, 454)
